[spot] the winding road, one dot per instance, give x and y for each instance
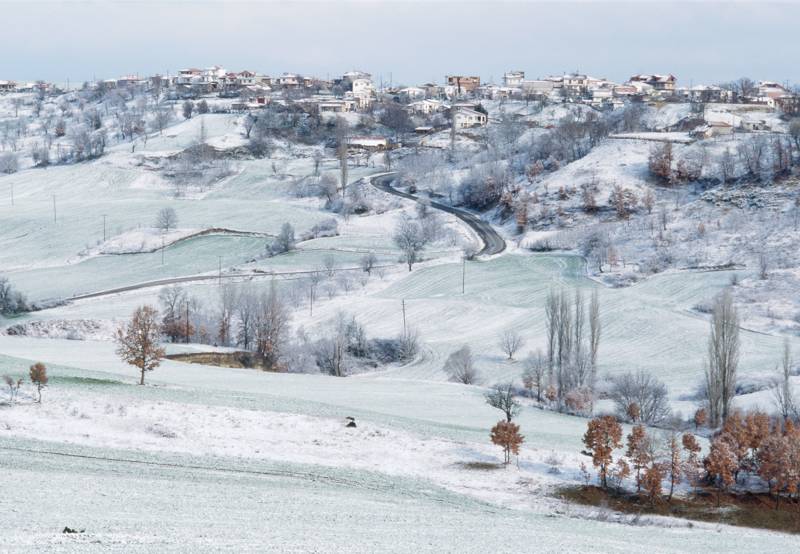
(493, 243)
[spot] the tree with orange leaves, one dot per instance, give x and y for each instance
(700, 418)
(673, 466)
(603, 436)
(633, 411)
(773, 459)
(691, 464)
(737, 434)
(506, 435)
(721, 465)
(639, 452)
(758, 429)
(653, 476)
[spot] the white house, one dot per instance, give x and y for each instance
(368, 143)
(413, 93)
(427, 107)
(513, 79)
(466, 117)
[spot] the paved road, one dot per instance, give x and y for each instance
(493, 243)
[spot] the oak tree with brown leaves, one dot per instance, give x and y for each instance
(603, 436)
(38, 375)
(638, 451)
(506, 435)
(138, 342)
(721, 465)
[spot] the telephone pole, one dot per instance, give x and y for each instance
(463, 272)
(404, 317)
(104, 227)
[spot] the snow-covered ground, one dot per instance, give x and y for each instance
(209, 458)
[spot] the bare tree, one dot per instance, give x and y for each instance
(166, 219)
(248, 122)
(533, 376)
(410, 238)
(502, 398)
(510, 342)
(368, 262)
(783, 394)
(551, 323)
(460, 366)
(284, 242)
(595, 330)
(246, 312)
(342, 139)
(723, 358)
(138, 342)
(645, 391)
(228, 298)
(271, 326)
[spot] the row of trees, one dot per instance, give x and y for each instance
(752, 450)
(649, 460)
(755, 157)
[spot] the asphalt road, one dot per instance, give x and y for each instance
(493, 243)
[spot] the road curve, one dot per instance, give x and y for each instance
(493, 243)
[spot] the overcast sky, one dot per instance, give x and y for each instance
(411, 41)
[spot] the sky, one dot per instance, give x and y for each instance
(404, 42)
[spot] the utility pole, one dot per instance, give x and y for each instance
(54, 208)
(404, 317)
(104, 227)
(463, 272)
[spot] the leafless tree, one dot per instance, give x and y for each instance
(534, 374)
(248, 122)
(9, 162)
(723, 358)
(246, 312)
(510, 342)
(595, 330)
(727, 167)
(410, 239)
(271, 327)
(551, 313)
(368, 262)
(166, 219)
(783, 394)
(460, 366)
(342, 139)
(643, 389)
(228, 298)
(502, 397)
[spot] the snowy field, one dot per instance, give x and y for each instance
(209, 458)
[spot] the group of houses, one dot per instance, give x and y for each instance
(459, 95)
